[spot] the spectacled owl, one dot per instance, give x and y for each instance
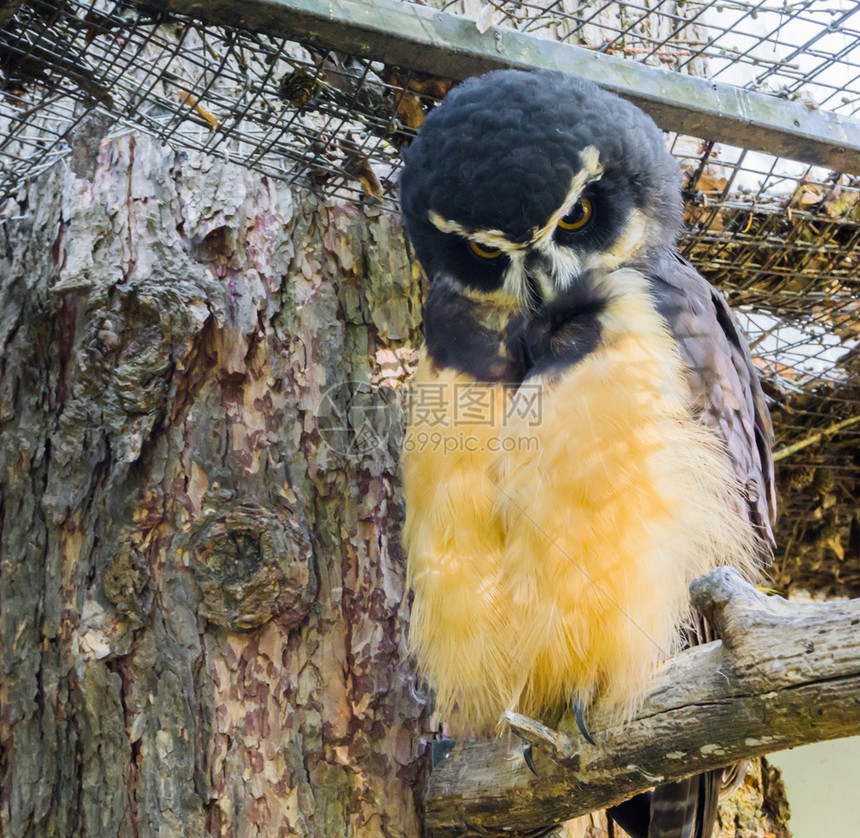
(587, 431)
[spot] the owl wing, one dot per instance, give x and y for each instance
(729, 398)
(723, 380)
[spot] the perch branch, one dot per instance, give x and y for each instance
(788, 450)
(784, 674)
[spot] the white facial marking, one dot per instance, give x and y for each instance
(514, 282)
(486, 238)
(567, 264)
(627, 244)
(591, 171)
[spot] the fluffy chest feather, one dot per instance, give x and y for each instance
(553, 527)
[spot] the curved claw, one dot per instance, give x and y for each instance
(528, 756)
(533, 732)
(579, 716)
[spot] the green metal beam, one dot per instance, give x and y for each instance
(423, 39)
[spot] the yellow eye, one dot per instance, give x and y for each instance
(484, 252)
(579, 216)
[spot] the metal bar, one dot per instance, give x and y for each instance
(423, 39)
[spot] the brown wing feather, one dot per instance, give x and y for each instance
(724, 381)
(725, 384)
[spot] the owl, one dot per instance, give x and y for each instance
(587, 431)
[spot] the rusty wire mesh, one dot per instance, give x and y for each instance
(804, 49)
(779, 237)
(263, 102)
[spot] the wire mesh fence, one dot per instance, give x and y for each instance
(779, 237)
(264, 102)
(803, 49)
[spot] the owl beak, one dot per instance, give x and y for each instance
(537, 294)
(543, 285)
(540, 275)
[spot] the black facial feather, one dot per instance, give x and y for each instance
(559, 334)
(454, 255)
(455, 338)
(551, 339)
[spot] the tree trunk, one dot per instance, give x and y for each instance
(202, 588)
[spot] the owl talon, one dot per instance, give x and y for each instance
(532, 732)
(579, 716)
(528, 756)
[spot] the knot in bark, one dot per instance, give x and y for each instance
(252, 565)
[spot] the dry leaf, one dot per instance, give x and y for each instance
(410, 112)
(435, 86)
(194, 103)
(836, 546)
(299, 87)
(808, 194)
(711, 182)
(358, 165)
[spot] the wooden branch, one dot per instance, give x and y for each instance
(784, 674)
(788, 450)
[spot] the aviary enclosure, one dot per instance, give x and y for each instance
(209, 316)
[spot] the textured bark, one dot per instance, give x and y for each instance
(202, 602)
(783, 675)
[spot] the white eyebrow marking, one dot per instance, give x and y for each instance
(591, 170)
(490, 238)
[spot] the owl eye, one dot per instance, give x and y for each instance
(579, 216)
(484, 252)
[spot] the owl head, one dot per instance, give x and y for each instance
(520, 183)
